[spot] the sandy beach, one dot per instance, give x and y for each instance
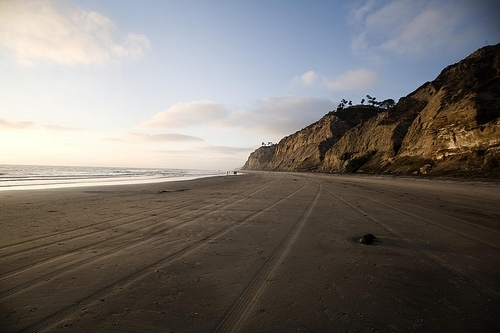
(260, 252)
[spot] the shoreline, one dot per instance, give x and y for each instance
(97, 182)
(30, 177)
(266, 252)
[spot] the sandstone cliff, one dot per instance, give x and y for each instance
(448, 126)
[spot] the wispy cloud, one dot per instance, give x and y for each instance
(187, 114)
(281, 115)
(59, 128)
(407, 27)
(16, 124)
(64, 34)
(164, 137)
(213, 157)
(307, 79)
(30, 125)
(228, 150)
(359, 12)
(351, 80)
(277, 115)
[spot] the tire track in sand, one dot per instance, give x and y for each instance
(169, 211)
(124, 245)
(467, 225)
(429, 255)
(78, 231)
(55, 318)
(245, 303)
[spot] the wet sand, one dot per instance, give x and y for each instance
(261, 252)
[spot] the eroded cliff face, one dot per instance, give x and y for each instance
(305, 150)
(461, 122)
(378, 140)
(449, 125)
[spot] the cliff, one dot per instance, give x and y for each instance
(448, 126)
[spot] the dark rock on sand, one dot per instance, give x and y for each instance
(367, 239)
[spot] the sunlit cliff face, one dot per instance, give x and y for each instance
(202, 83)
(448, 125)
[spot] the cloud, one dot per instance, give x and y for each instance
(16, 124)
(359, 13)
(187, 114)
(59, 128)
(64, 34)
(213, 157)
(209, 150)
(276, 116)
(281, 115)
(174, 137)
(307, 79)
(228, 150)
(353, 80)
(165, 137)
(26, 125)
(407, 27)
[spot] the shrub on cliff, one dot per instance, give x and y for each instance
(356, 163)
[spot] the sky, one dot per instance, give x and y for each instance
(200, 84)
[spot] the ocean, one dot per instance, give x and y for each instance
(29, 177)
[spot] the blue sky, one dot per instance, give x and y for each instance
(200, 84)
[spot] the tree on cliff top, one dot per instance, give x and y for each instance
(372, 101)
